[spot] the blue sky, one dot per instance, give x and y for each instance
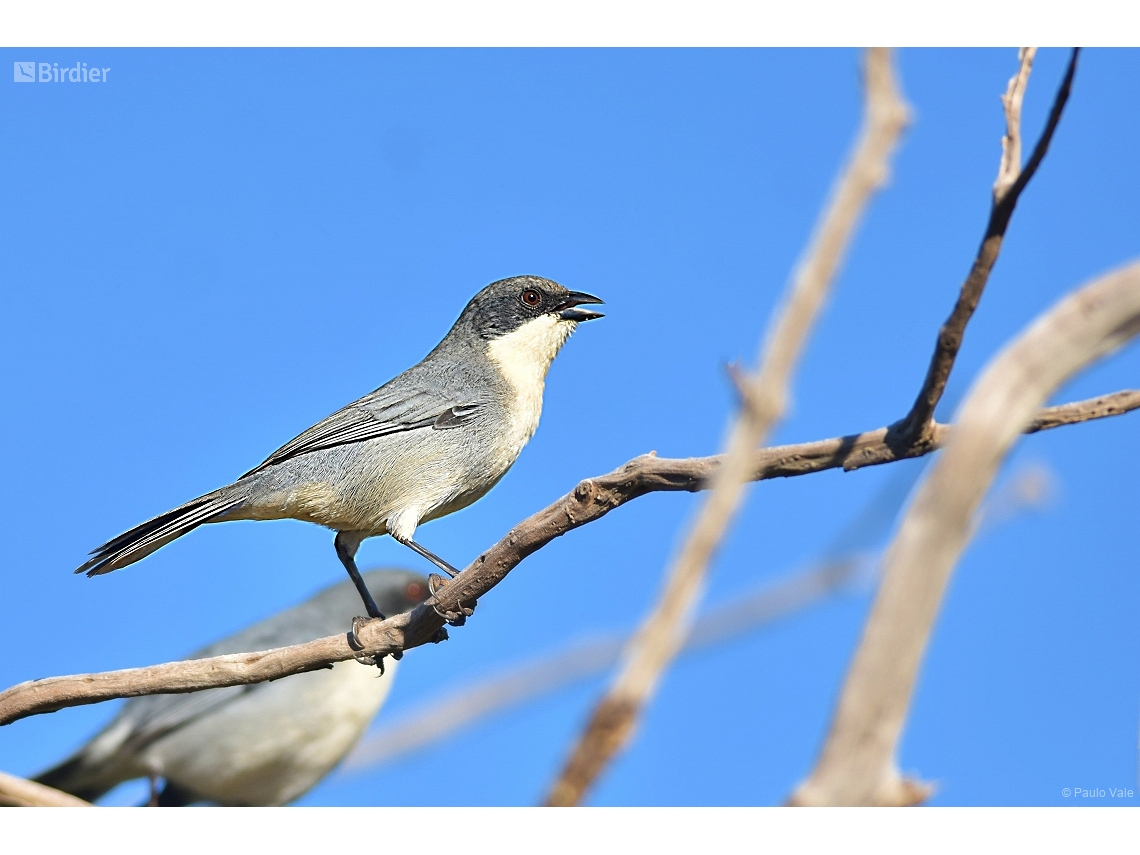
(213, 249)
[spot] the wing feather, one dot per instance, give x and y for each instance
(379, 414)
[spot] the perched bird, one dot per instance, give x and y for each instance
(425, 444)
(262, 744)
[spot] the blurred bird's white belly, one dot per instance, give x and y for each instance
(272, 745)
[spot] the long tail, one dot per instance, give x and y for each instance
(76, 777)
(144, 539)
(91, 781)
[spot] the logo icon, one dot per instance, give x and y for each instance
(24, 72)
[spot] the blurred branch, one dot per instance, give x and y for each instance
(1035, 486)
(432, 722)
(764, 401)
(591, 500)
(857, 764)
(20, 792)
(916, 428)
(437, 718)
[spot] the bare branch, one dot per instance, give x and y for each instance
(20, 792)
(916, 427)
(591, 500)
(857, 764)
(1083, 411)
(661, 635)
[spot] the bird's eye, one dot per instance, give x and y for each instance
(530, 297)
(415, 592)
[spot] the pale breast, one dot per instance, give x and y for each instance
(523, 357)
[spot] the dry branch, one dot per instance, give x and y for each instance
(857, 764)
(590, 500)
(20, 792)
(764, 400)
(1082, 411)
(1010, 167)
(916, 427)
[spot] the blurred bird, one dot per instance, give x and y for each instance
(425, 444)
(262, 744)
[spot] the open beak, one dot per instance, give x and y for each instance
(568, 309)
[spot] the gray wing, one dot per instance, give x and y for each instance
(390, 409)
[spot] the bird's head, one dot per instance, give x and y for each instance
(397, 590)
(524, 321)
(509, 305)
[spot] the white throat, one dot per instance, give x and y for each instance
(524, 357)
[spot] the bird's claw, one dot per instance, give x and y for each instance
(356, 644)
(354, 633)
(466, 609)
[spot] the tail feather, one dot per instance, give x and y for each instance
(145, 538)
(76, 777)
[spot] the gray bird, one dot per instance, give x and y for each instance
(263, 744)
(425, 444)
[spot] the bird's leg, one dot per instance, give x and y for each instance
(346, 544)
(432, 557)
(435, 582)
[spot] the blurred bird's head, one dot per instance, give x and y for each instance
(396, 590)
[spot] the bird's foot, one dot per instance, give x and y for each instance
(356, 644)
(466, 609)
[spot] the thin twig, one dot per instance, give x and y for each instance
(591, 500)
(916, 427)
(857, 764)
(1082, 411)
(658, 640)
(1010, 167)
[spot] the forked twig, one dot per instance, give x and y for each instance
(916, 427)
